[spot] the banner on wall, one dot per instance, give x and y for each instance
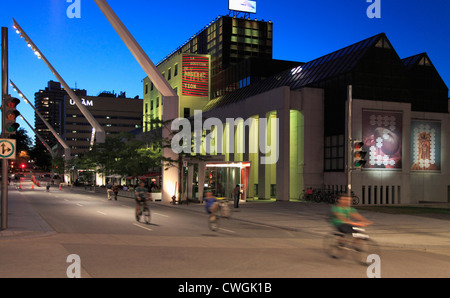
(425, 145)
(195, 76)
(382, 136)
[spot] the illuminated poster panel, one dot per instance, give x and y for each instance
(242, 5)
(425, 145)
(382, 136)
(195, 72)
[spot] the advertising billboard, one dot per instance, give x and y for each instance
(195, 76)
(425, 145)
(242, 5)
(382, 136)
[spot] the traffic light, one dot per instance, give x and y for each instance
(358, 154)
(10, 115)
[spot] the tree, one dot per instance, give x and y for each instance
(42, 158)
(23, 141)
(123, 155)
(58, 165)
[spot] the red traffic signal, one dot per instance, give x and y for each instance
(357, 145)
(12, 102)
(358, 154)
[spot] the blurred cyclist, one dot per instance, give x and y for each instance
(141, 194)
(211, 205)
(342, 215)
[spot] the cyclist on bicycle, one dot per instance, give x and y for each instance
(342, 215)
(211, 205)
(141, 195)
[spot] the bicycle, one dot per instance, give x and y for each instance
(359, 245)
(144, 213)
(355, 199)
(223, 210)
(307, 195)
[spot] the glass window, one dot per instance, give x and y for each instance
(334, 153)
(187, 112)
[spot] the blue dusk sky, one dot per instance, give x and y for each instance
(88, 53)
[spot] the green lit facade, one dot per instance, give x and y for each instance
(189, 76)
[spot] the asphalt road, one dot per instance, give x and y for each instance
(178, 244)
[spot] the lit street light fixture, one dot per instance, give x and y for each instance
(101, 135)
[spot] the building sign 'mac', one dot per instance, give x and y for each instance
(195, 72)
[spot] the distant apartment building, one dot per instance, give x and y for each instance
(50, 104)
(115, 113)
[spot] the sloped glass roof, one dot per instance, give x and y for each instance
(419, 59)
(322, 68)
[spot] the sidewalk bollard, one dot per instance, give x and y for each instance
(32, 186)
(60, 186)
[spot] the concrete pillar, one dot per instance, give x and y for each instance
(283, 166)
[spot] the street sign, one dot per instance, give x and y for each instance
(7, 149)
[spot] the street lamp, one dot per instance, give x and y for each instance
(101, 135)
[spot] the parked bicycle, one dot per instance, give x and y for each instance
(319, 195)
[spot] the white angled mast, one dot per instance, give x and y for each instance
(52, 130)
(170, 97)
(101, 135)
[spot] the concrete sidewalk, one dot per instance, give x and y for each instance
(23, 220)
(388, 229)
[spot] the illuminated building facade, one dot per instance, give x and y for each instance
(400, 110)
(189, 75)
(239, 53)
(115, 113)
(50, 104)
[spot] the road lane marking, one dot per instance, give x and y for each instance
(101, 212)
(78, 204)
(138, 225)
(160, 214)
(230, 231)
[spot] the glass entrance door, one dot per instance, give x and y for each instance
(222, 178)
